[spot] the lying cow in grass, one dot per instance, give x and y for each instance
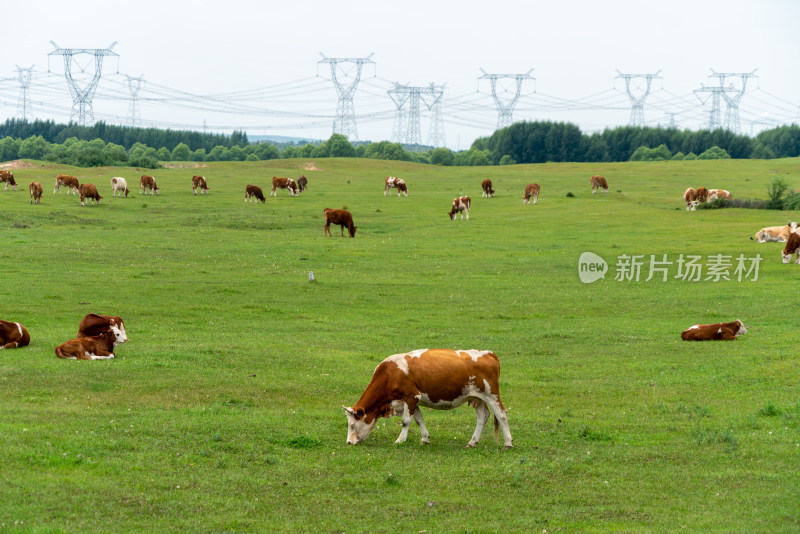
(99, 347)
(775, 233)
(94, 325)
(442, 379)
(13, 335)
(718, 331)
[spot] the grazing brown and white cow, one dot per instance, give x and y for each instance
(690, 196)
(714, 194)
(486, 185)
(89, 191)
(8, 178)
(775, 233)
(531, 192)
(13, 335)
(441, 379)
(708, 332)
(283, 183)
(100, 347)
(147, 182)
(393, 181)
(341, 217)
(94, 325)
(254, 192)
(35, 189)
(199, 181)
(70, 182)
(460, 205)
(792, 247)
(598, 182)
(302, 183)
(119, 184)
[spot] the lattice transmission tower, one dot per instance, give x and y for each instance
(346, 73)
(637, 102)
(82, 97)
(24, 77)
(134, 84)
(413, 95)
(506, 104)
(732, 111)
(436, 137)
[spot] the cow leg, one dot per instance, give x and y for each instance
(482, 413)
(101, 355)
(12, 345)
(407, 418)
(502, 418)
(467, 214)
(535, 199)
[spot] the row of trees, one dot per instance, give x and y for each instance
(524, 142)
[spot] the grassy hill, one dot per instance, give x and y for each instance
(223, 411)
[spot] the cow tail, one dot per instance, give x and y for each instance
(496, 427)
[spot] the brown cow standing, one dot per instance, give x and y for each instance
(486, 185)
(442, 379)
(792, 247)
(460, 205)
(283, 183)
(302, 183)
(70, 182)
(341, 217)
(255, 192)
(708, 332)
(199, 181)
(100, 347)
(598, 182)
(89, 191)
(147, 182)
(531, 191)
(8, 178)
(94, 325)
(35, 189)
(13, 335)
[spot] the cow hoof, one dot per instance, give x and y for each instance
(470, 446)
(507, 447)
(425, 442)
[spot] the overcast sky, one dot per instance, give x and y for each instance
(573, 47)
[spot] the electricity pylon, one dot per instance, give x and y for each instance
(714, 121)
(637, 102)
(134, 84)
(732, 111)
(430, 95)
(345, 121)
(436, 137)
(24, 77)
(82, 96)
(505, 110)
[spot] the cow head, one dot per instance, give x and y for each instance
(118, 328)
(786, 257)
(358, 428)
(352, 230)
(741, 330)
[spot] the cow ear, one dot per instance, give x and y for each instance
(360, 413)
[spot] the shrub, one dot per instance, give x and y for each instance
(775, 191)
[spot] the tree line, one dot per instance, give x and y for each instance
(523, 142)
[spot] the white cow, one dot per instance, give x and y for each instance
(119, 184)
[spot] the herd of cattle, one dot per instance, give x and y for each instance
(440, 379)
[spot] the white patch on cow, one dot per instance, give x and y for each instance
(19, 329)
(424, 400)
(474, 354)
(719, 331)
(694, 327)
(400, 359)
(95, 357)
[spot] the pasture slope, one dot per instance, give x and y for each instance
(223, 411)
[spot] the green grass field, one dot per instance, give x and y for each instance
(223, 411)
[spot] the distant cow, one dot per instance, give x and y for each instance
(714, 194)
(8, 178)
(531, 192)
(439, 379)
(774, 233)
(486, 185)
(283, 183)
(598, 182)
(460, 205)
(199, 181)
(254, 192)
(393, 181)
(302, 183)
(13, 335)
(341, 217)
(94, 325)
(690, 196)
(35, 189)
(70, 182)
(147, 182)
(100, 347)
(792, 247)
(701, 195)
(89, 191)
(119, 184)
(719, 331)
